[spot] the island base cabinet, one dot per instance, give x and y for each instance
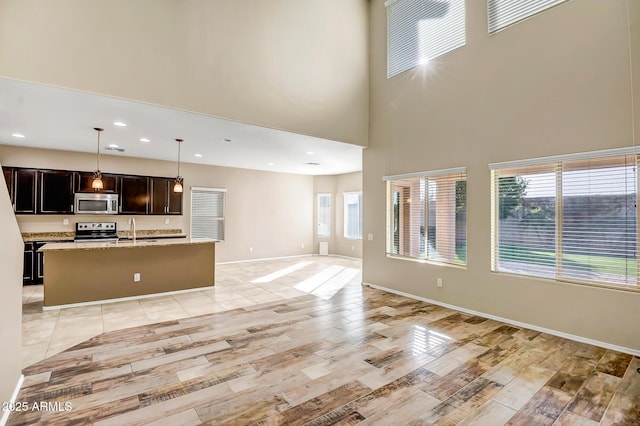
(90, 275)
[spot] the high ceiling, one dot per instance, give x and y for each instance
(62, 119)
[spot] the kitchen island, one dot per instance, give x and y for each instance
(86, 272)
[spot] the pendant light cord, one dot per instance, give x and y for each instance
(98, 152)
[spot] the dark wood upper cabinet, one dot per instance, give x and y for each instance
(175, 200)
(55, 192)
(84, 180)
(25, 189)
(163, 199)
(134, 195)
(8, 178)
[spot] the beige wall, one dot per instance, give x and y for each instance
(294, 65)
(554, 84)
(11, 250)
(269, 212)
(337, 185)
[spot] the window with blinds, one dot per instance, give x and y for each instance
(571, 219)
(427, 216)
(207, 213)
(503, 13)
(324, 215)
(421, 30)
(353, 215)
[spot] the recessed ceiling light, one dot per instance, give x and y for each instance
(113, 145)
(198, 155)
(226, 140)
(271, 164)
(145, 140)
(18, 135)
(310, 152)
(119, 124)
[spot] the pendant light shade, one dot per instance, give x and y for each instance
(97, 184)
(177, 186)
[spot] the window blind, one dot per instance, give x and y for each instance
(421, 30)
(426, 217)
(572, 220)
(207, 213)
(503, 13)
(353, 215)
(324, 215)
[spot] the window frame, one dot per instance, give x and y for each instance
(522, 16)
(320, 195)
(451, 176)
(223, 192)
(346, 216)
(407, 45)
(562, 166)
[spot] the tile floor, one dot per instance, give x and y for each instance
(300, 341)
(46, 333)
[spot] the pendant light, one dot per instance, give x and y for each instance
(177, 186)
(97, 184)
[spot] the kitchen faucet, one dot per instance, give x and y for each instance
(132, 229)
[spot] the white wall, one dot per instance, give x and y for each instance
(270, 212)
(337, 185)
(557, 83)
(11, 250)
(293, 65)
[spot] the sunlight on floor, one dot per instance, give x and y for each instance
(281, 273)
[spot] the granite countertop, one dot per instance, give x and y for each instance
(69, 236)
(163, 242)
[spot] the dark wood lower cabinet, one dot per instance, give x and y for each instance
(34, 262)
(27, 273)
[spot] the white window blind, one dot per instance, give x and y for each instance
(503, 13)
(207, 213)
(353, 215)
(421, 30)
(573, 219)
(324, 215)
(426, 216)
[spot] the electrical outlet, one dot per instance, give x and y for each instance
(166, 221)
(353, 248)
(136, 277)
(65, 221)
(370, 237)
(439, 282)
(302, 245)
(250, 249)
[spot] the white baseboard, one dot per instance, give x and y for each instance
(5, 414)
(285, 257)
(124, 299)
(344, 257)
(264, 258)
(512, 322)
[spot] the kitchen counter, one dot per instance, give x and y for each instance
(95, 272)
(69, 236)
(90, 245)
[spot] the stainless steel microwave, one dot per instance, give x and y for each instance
(96, 203)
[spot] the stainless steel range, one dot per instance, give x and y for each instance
(96, 231)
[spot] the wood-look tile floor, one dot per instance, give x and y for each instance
(338, 354)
